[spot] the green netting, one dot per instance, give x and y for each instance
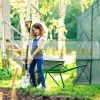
(88, 32)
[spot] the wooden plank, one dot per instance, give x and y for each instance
(13, 91)
(1, 96)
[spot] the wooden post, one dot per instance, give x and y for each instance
(13, 91)
(3, 46)
(1, 95)
(6, 16)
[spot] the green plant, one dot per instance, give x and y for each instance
(5, 73)
(8, 54)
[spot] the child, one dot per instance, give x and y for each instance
(37, 32)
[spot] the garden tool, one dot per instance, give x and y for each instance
(25, 78)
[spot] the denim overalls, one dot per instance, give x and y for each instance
(37, 60)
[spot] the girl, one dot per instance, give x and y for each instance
(37, 32)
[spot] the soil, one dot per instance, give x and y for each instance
(21, 95)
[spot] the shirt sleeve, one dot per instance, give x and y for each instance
(41, 42)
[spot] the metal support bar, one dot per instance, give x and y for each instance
(91, 45)
(62, 80)
(53, 79)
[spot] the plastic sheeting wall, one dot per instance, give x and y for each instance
(88, 32)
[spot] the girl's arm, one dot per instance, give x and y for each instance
(40, 44)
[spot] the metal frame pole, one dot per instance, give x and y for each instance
(91, 46)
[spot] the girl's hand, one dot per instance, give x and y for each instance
(30, 58)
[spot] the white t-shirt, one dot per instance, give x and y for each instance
(41, 38)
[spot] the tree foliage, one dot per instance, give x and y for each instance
(50, 12)
(15, 17)
(73, 9)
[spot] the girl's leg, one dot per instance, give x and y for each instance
(40, 73)
(32, 73)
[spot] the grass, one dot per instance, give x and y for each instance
(88, 92)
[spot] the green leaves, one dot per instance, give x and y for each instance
(5, 73)
(49, 10)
